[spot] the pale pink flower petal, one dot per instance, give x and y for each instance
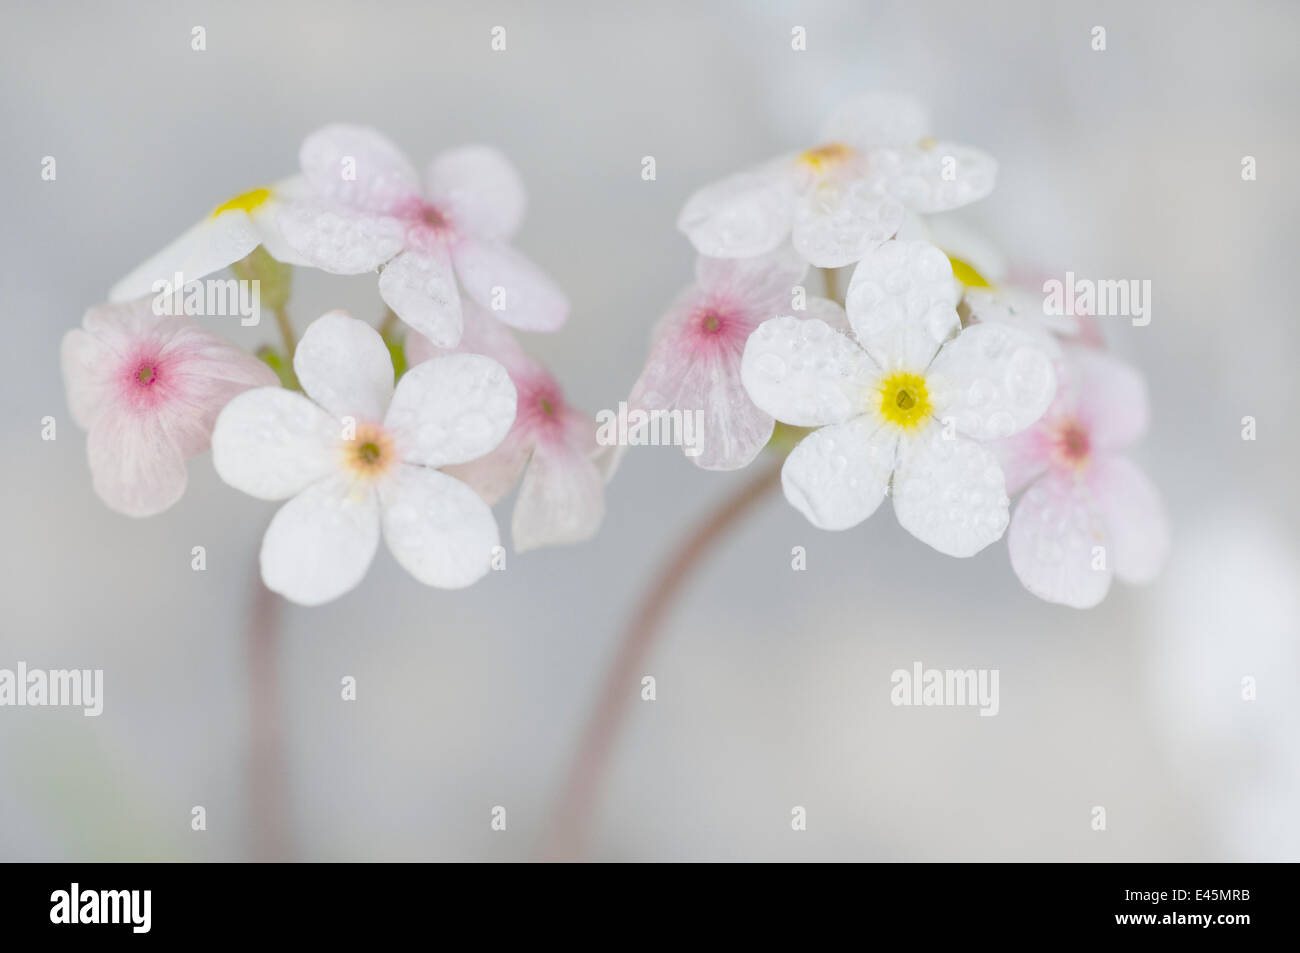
(136, 466)
(358, 167)
(1111, 399)
(561, 499)
(765, 283)
(421, 287)
(743, 215)
(320, 544)
(1135, 518)
(340, 240)
(1052, 541)
(479, 189)
(149, 389)
(511, 286)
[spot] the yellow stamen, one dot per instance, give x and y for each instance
(905, 400)
(965, 272)
(824, 156)
(244, 203)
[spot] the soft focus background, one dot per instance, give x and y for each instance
(773, 685)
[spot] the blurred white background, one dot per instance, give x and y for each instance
(773, 685)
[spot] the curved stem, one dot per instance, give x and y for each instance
(286, 330)
(266, 789)
(568, 836)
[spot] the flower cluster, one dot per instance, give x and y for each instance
(356, 446)
(939, 382)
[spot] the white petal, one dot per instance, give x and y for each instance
(479, 190)
(272, 443)
(958, 240)
(562, 500)
(214, 243)
(936, 179)
(320, 544)
(840, 220)
(358, 167)
(1135, 518)
(763, 281)
(876, 119)
(509, 285)
(344, 365)
(437, 528)
(136, 468)
(838, 475)
(828, 311)
(949, 493)
(340, 240)
(992, 381)
(1052, 538)
(743, 215)
(902, 304)
(805, 373)
(452, 409)
(421, 290)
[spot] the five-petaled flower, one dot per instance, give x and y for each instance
(368, 211)
(552, 444)
(1089, 513)
(906, 399)
(355, 454)
(148, 390)
(842, 198)
(694, 362)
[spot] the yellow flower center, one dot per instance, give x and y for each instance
(966, 273)
(823, 157)
(904, 400)
(926, 143)
(370, 453)
(243, 203)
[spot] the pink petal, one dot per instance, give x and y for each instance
(1053, 533)
(421, 290)
(562, 499)
(762, 285)
(1135, 518)
(136, 466)
(478, 189)
(510, 285)
(360, 168)
(1112, 398)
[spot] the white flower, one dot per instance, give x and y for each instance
(359, 455)
(905, 399)
(842, 198)
(226, 235)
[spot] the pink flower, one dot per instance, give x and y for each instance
(695, 354)
(148, 389)
(552, 444)
(369, 211)
(1089, 513)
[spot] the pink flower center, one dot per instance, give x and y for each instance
(1073, 445)
(146, 374)
(433, 217)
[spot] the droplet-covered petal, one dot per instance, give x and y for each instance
(272, 443)
(837, 476)
(902, 303)
(452, 409)
(805, 373)
(1058, 543)
(344, 365)
(421, 289)
(949, 492)
(478, 189)
(991, 381)
(437, 528)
